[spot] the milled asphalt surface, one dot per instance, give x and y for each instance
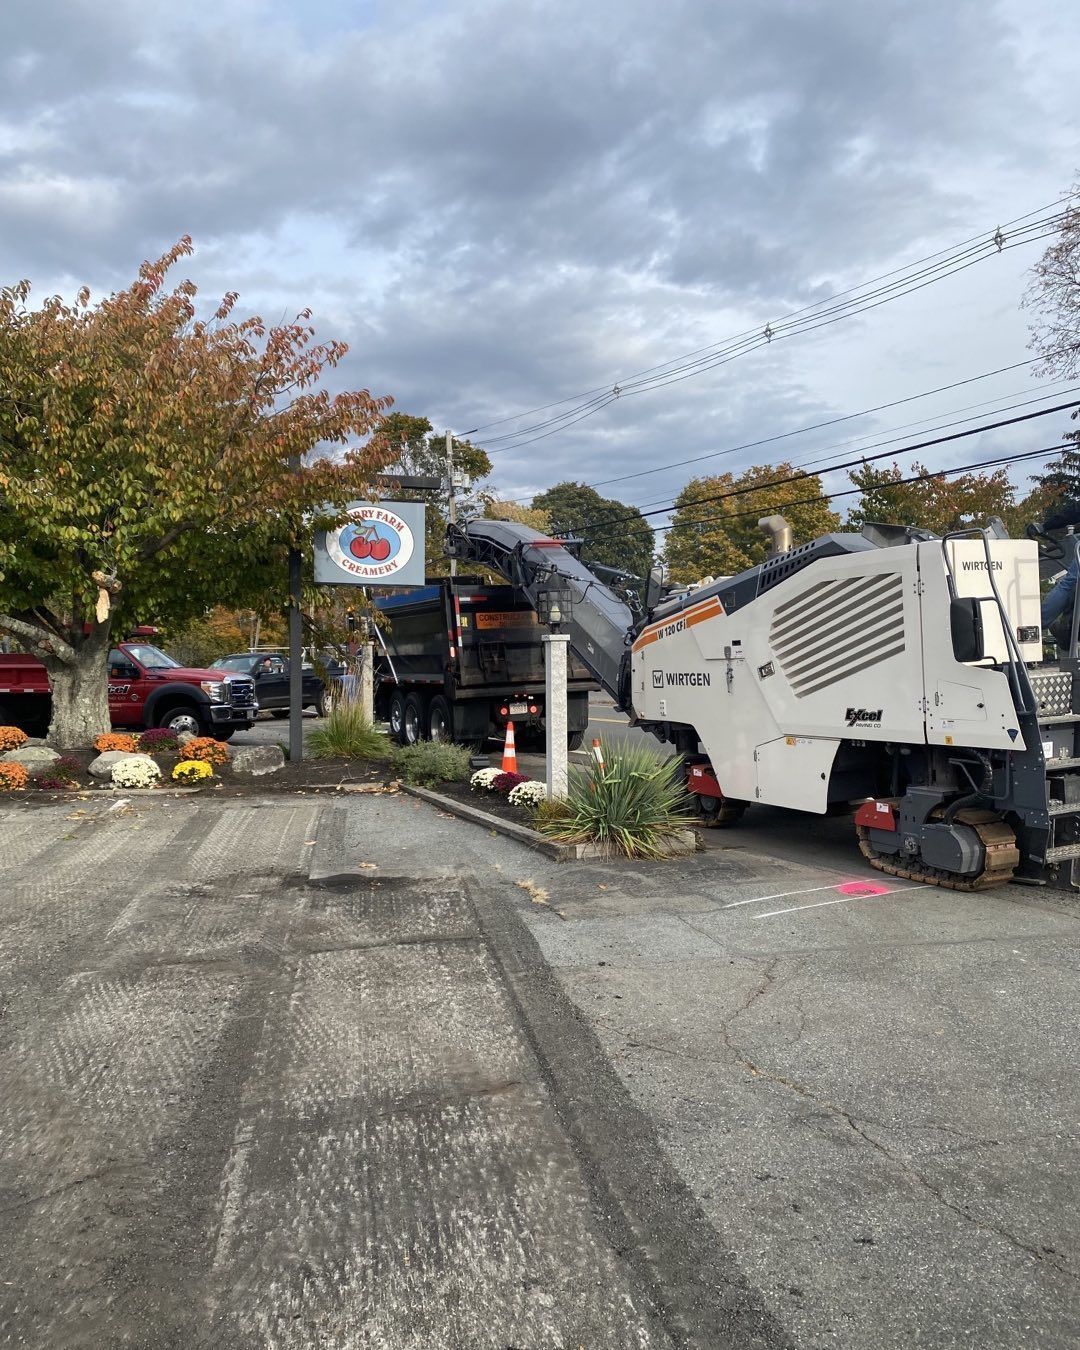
(323, 1072)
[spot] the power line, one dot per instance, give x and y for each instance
(960, 257)
(604, 389)
(895, 482)
(861, 459)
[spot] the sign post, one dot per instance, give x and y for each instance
(553, 607)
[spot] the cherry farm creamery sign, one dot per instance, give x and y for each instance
(381, 544)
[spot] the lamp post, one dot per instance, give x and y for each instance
(555, 605)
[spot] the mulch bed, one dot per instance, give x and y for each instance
(494, 803)
(309, 775)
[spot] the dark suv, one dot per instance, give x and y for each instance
(271, 675)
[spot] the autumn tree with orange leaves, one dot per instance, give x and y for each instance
(148, 467)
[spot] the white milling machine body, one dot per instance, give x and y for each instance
(898, 675)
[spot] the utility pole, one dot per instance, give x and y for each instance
(296, 666)
(452, 509)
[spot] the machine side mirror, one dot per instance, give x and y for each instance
(965, 621)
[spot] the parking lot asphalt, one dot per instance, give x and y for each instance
(354, 1073)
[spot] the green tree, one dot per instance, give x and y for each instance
(612, 533)
(1053, 297)
(938, 504)
(152, 462)
(411, 447)
(714, 529)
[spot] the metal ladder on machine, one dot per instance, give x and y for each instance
(1057, 694)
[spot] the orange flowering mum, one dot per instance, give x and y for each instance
(113, 740)
(11, 738)
(206, 749)
(13, 777)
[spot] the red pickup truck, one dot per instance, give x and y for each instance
(146, 689)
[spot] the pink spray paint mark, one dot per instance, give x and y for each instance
(862, 888)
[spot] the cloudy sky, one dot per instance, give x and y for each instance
(503, 204)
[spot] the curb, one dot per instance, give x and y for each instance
(522, 833)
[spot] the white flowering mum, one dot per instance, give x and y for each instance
(483, 779)
(528, 794)
(137, 772)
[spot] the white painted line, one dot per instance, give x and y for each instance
(783, 895)
(844, 900)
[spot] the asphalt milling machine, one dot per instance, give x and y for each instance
(892, 673)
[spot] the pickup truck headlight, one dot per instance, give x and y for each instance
(214, 690)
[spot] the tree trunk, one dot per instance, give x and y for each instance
(80, 698)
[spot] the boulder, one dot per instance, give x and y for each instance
(257, 760)
(103, 766)
(32, 756)
(185, 736)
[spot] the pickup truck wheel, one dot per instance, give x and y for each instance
(182, 719)
(397, 716)
(575, 740)
(320, 705)
(414, 720)
(440, 721)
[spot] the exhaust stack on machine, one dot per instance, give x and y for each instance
(779, 532)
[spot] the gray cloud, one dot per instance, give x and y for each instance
(501, 204)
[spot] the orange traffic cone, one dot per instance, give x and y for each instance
(509, 764)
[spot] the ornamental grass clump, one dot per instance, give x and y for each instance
(136, 773)
(116, 740)
(205, 748)
(429, 763)
(633, 804)
(193, 771)
(12, 738)
(347, 733)
(13, 777)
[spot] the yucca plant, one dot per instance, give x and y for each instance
(346, 732)
(633, 805)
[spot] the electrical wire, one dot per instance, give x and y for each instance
(1060, 207)
(679, 368)
(861, 459)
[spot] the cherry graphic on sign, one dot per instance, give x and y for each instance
(380, 549)
(360, 547)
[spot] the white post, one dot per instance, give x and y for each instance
(367, 684)
(556, 646)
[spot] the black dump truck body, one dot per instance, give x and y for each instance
(462, 659)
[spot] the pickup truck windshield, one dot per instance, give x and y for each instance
(150, 658)
(233, 663)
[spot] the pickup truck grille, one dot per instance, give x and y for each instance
(241, 692)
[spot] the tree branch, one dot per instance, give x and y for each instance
(36, 639)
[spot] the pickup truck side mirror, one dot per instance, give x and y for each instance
(965, 621)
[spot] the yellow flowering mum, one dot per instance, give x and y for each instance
(193, 771)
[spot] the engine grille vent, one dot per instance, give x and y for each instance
(837, 629)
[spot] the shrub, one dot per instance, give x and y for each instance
(551, 811)
(158, 739)
(68, 765)
(346, 733)
(12, 738)
(506, 782)
(205, 748)
(13, 777)
(63, 773)
(429, 763)
(116, 740)
(632, 806)
(136, 773)
(528, 794)
(482, 779)
(193, 771)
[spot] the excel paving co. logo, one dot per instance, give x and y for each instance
(374, 544)
(863, 717)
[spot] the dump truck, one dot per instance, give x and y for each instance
(458, 659)
(891, 673)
